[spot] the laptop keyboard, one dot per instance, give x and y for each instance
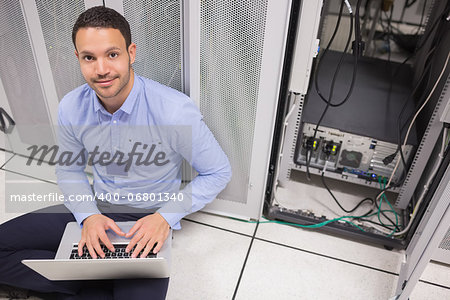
(119, 252)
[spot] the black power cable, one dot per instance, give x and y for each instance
(361, 218)
(339, 204)
(409, 4)
(422, 17)
(360, 203)
(357, 51)
(319, 64)
(439, 19)
(389, 33)
(400, 127)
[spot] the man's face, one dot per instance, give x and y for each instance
(105, 63)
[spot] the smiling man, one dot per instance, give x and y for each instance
(105, 57)
(115, 114)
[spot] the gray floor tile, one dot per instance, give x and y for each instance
(17, 187)
(373, 256)
(423, 291)
(5, 156)
(277, 272)
(20, 165)
(223, 222)
(437, 273)
(206, 262)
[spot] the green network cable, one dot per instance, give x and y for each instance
(383, 186)
(318, 225)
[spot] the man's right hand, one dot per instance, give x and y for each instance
(94, 231)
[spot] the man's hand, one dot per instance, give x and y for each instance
(150, 230)
(94, 228)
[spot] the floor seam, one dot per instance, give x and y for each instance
(7, 161)
(329, 257)
(217, 227)
(38, 161)
(29, 176)
(435, 284)
(245, 262)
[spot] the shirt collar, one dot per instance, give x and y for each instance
(128, 105)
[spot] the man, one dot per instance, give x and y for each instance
(104, 123)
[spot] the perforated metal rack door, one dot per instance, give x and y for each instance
(57, 19)
(156, 30)
(445, 244)
(20, 78)
(232, 39)
(241, 55)
(442, 254)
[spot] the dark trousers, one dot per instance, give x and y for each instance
(37, 235)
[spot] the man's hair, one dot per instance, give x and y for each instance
(104, 17)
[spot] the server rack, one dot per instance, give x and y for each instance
(291, 119)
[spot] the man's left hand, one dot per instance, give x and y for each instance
(148, 231)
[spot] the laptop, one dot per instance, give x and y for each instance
(67, 265)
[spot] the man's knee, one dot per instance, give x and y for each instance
(41, 229)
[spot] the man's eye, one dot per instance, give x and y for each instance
(88, 58)
(113, 55)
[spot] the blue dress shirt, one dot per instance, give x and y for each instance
(136, 153)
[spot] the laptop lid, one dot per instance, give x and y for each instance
(63, 268)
